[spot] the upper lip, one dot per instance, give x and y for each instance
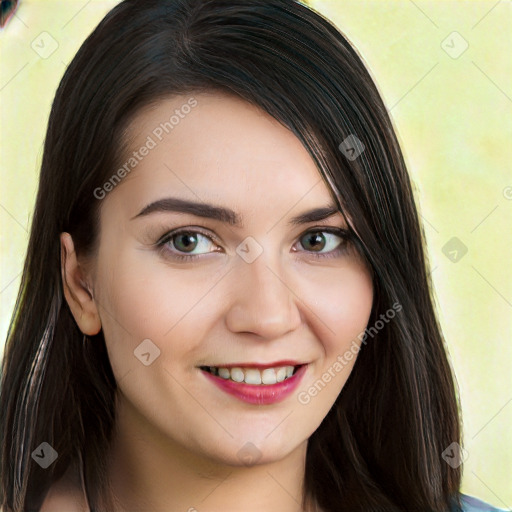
(284, 362)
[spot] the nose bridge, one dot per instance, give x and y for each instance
(263, 302)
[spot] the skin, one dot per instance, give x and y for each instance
(178, 437)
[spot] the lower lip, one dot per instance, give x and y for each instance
(259, 394)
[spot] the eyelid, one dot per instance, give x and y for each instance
(341, 232)
(336, 230)
(187, 229)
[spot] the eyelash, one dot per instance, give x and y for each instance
(338, 251)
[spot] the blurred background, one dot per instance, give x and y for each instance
(444, 70)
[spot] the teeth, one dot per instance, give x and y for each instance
(237, 374)
(224, 373)
(281, 374)
(268, 376)
(253, 375)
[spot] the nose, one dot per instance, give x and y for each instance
(263, 302)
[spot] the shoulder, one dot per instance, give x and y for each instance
(470, 504)
(65, 495)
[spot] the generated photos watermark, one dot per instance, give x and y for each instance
(304, 397)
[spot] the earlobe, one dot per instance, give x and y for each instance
(77, 291)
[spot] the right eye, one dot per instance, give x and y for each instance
(185, 241)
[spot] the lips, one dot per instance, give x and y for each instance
(255, 391)
(255, 373)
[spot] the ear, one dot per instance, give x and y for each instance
(77, 291)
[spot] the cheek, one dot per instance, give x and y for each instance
(344, 307)
(343, 313)
(141, 299)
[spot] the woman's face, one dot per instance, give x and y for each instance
(266, 291)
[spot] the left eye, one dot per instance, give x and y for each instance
(318, 238)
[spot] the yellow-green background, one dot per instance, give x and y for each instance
(453, 117)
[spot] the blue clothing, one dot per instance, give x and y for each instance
(470, 504)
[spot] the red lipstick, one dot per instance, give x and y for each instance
(260, 394)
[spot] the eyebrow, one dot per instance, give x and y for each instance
(226, 215)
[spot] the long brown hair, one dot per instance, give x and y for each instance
(379, 448)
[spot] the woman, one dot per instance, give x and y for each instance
(225, 303)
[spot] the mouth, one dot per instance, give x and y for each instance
(254, 375)
(257, 384)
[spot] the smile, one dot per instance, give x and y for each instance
(260, 386)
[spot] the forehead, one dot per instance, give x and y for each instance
(218, 147)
